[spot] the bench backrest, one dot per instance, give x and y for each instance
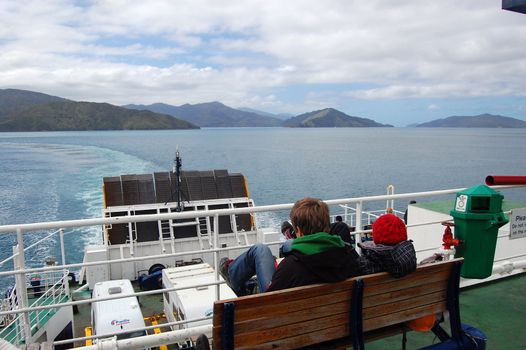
(303, 316)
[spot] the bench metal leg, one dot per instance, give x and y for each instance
(440, 333)
(227, 332)
(356, 319)
(453, 305)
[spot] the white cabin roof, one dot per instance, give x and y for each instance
(119, 314)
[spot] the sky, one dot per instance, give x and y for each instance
(396, 62)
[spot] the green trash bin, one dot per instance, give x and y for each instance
(478, 216)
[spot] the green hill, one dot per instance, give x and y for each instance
(69, 115)
(330, 117)
(211, 114)
(13, 101)
(477, 121)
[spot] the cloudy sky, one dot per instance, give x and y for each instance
(396, 62)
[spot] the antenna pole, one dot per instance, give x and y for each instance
(178, 165)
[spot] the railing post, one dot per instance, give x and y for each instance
(358, 234)
(63, 253)
(21, 290)
(160, 229)
(208, 228)
(105, 227)
(390, 202)
(131, 227)
(216, 252)
(233, 226)
(62, 250)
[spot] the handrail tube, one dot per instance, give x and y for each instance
(114, 261)
(42, 240)
(492, 180)
(146, 328)
(192, 214)
(160, 256)
(155, 339)
(6, 260)
(89, 301)
(29, 247)
(508, 266)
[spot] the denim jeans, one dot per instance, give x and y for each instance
(257, 260)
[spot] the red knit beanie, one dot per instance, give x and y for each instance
(389, 229)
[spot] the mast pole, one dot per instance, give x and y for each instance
(178, 164)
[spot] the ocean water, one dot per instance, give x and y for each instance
(47, 176)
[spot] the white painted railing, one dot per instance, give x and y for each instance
(50, 291)
(353, 207)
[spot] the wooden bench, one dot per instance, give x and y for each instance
(338, 315)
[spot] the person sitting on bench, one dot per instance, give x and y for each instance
(314, 256)
(390, 250)
(340, 228)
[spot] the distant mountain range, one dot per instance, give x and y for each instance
(22, 110)
(330, 117)
(281, 116)
(478, 121)
(40, 112)
(13, 101)
(212, 114)
(215, 114)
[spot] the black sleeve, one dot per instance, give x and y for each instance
(368, 264)
(286, 275)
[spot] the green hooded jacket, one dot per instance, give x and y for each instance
(316, 243)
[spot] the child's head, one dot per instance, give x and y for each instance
(287, 230)
(310, 215)
(389, 229)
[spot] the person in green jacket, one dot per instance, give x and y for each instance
(314, 256)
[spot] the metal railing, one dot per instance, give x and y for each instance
(49, 289)
(353, 208)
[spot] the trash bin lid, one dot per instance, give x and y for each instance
(478, 199)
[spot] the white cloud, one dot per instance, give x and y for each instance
(433, 107)
(237, 52)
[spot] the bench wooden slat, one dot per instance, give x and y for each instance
(387, 302)
(292, 317)
(378, 285)
(291, 293)
(309, 315)
(402, 316)
(345, 343)
(403, 294)
(395, 306)
(300, 340)
(280, 308)
(287, 326)
(260, 303)
(266, 311)
(256, 336)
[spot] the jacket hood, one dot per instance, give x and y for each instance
(316, 243)
(398, 260)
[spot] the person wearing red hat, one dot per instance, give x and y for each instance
(390, 250)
